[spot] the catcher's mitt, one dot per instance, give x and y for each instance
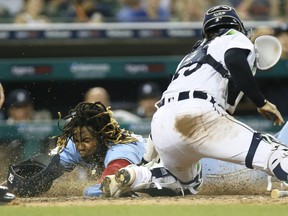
(34, 176)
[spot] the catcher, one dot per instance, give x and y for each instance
(194, 117)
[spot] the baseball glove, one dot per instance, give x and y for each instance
(34, 176)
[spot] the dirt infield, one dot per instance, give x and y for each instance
(234, 189)
(187, 200)
(67, 191)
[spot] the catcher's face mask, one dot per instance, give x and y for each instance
(268, 51)
(34, 176)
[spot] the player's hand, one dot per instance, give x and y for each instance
(2, 97)
(270, 111)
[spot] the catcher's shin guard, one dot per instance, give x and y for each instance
(278, 162)
(163, 183)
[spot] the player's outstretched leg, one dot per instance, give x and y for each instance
(155, 182)
(118, 184)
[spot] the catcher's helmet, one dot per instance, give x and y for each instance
(222, 16)
(33, 177)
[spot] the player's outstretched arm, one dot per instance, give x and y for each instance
(270, 111)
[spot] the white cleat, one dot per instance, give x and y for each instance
(118, 184)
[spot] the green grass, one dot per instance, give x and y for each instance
(147, 210)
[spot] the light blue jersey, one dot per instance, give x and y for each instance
(132, 152)
(282, 135)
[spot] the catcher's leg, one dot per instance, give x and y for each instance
(268, 154)
(155, 181)
(271, 178)
(278, 162)
(163, 183)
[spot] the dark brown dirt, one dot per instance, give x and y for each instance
(68, 189)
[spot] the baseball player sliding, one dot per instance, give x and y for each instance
(193, 119)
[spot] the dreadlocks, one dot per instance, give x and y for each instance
(98, 118)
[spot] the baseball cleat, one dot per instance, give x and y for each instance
(125, 177)
(109, 186)
(118, 184)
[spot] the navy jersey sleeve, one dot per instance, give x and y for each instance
(237, 64)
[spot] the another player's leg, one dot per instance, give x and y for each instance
(282, 136)
(278, 162)
(155, 181)
(121, 183)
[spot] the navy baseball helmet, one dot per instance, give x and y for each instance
(34, 176)
(222, 16)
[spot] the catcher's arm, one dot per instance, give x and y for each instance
(241, 74)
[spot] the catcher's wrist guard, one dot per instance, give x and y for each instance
(34, 176)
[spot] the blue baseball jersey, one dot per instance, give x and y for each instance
(132, 152)
(282, 135)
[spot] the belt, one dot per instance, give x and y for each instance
(186, 95)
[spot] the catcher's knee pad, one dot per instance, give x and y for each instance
(278, 162)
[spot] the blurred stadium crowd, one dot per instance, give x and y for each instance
(23, 103)
(74, 11)
(31, 12)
